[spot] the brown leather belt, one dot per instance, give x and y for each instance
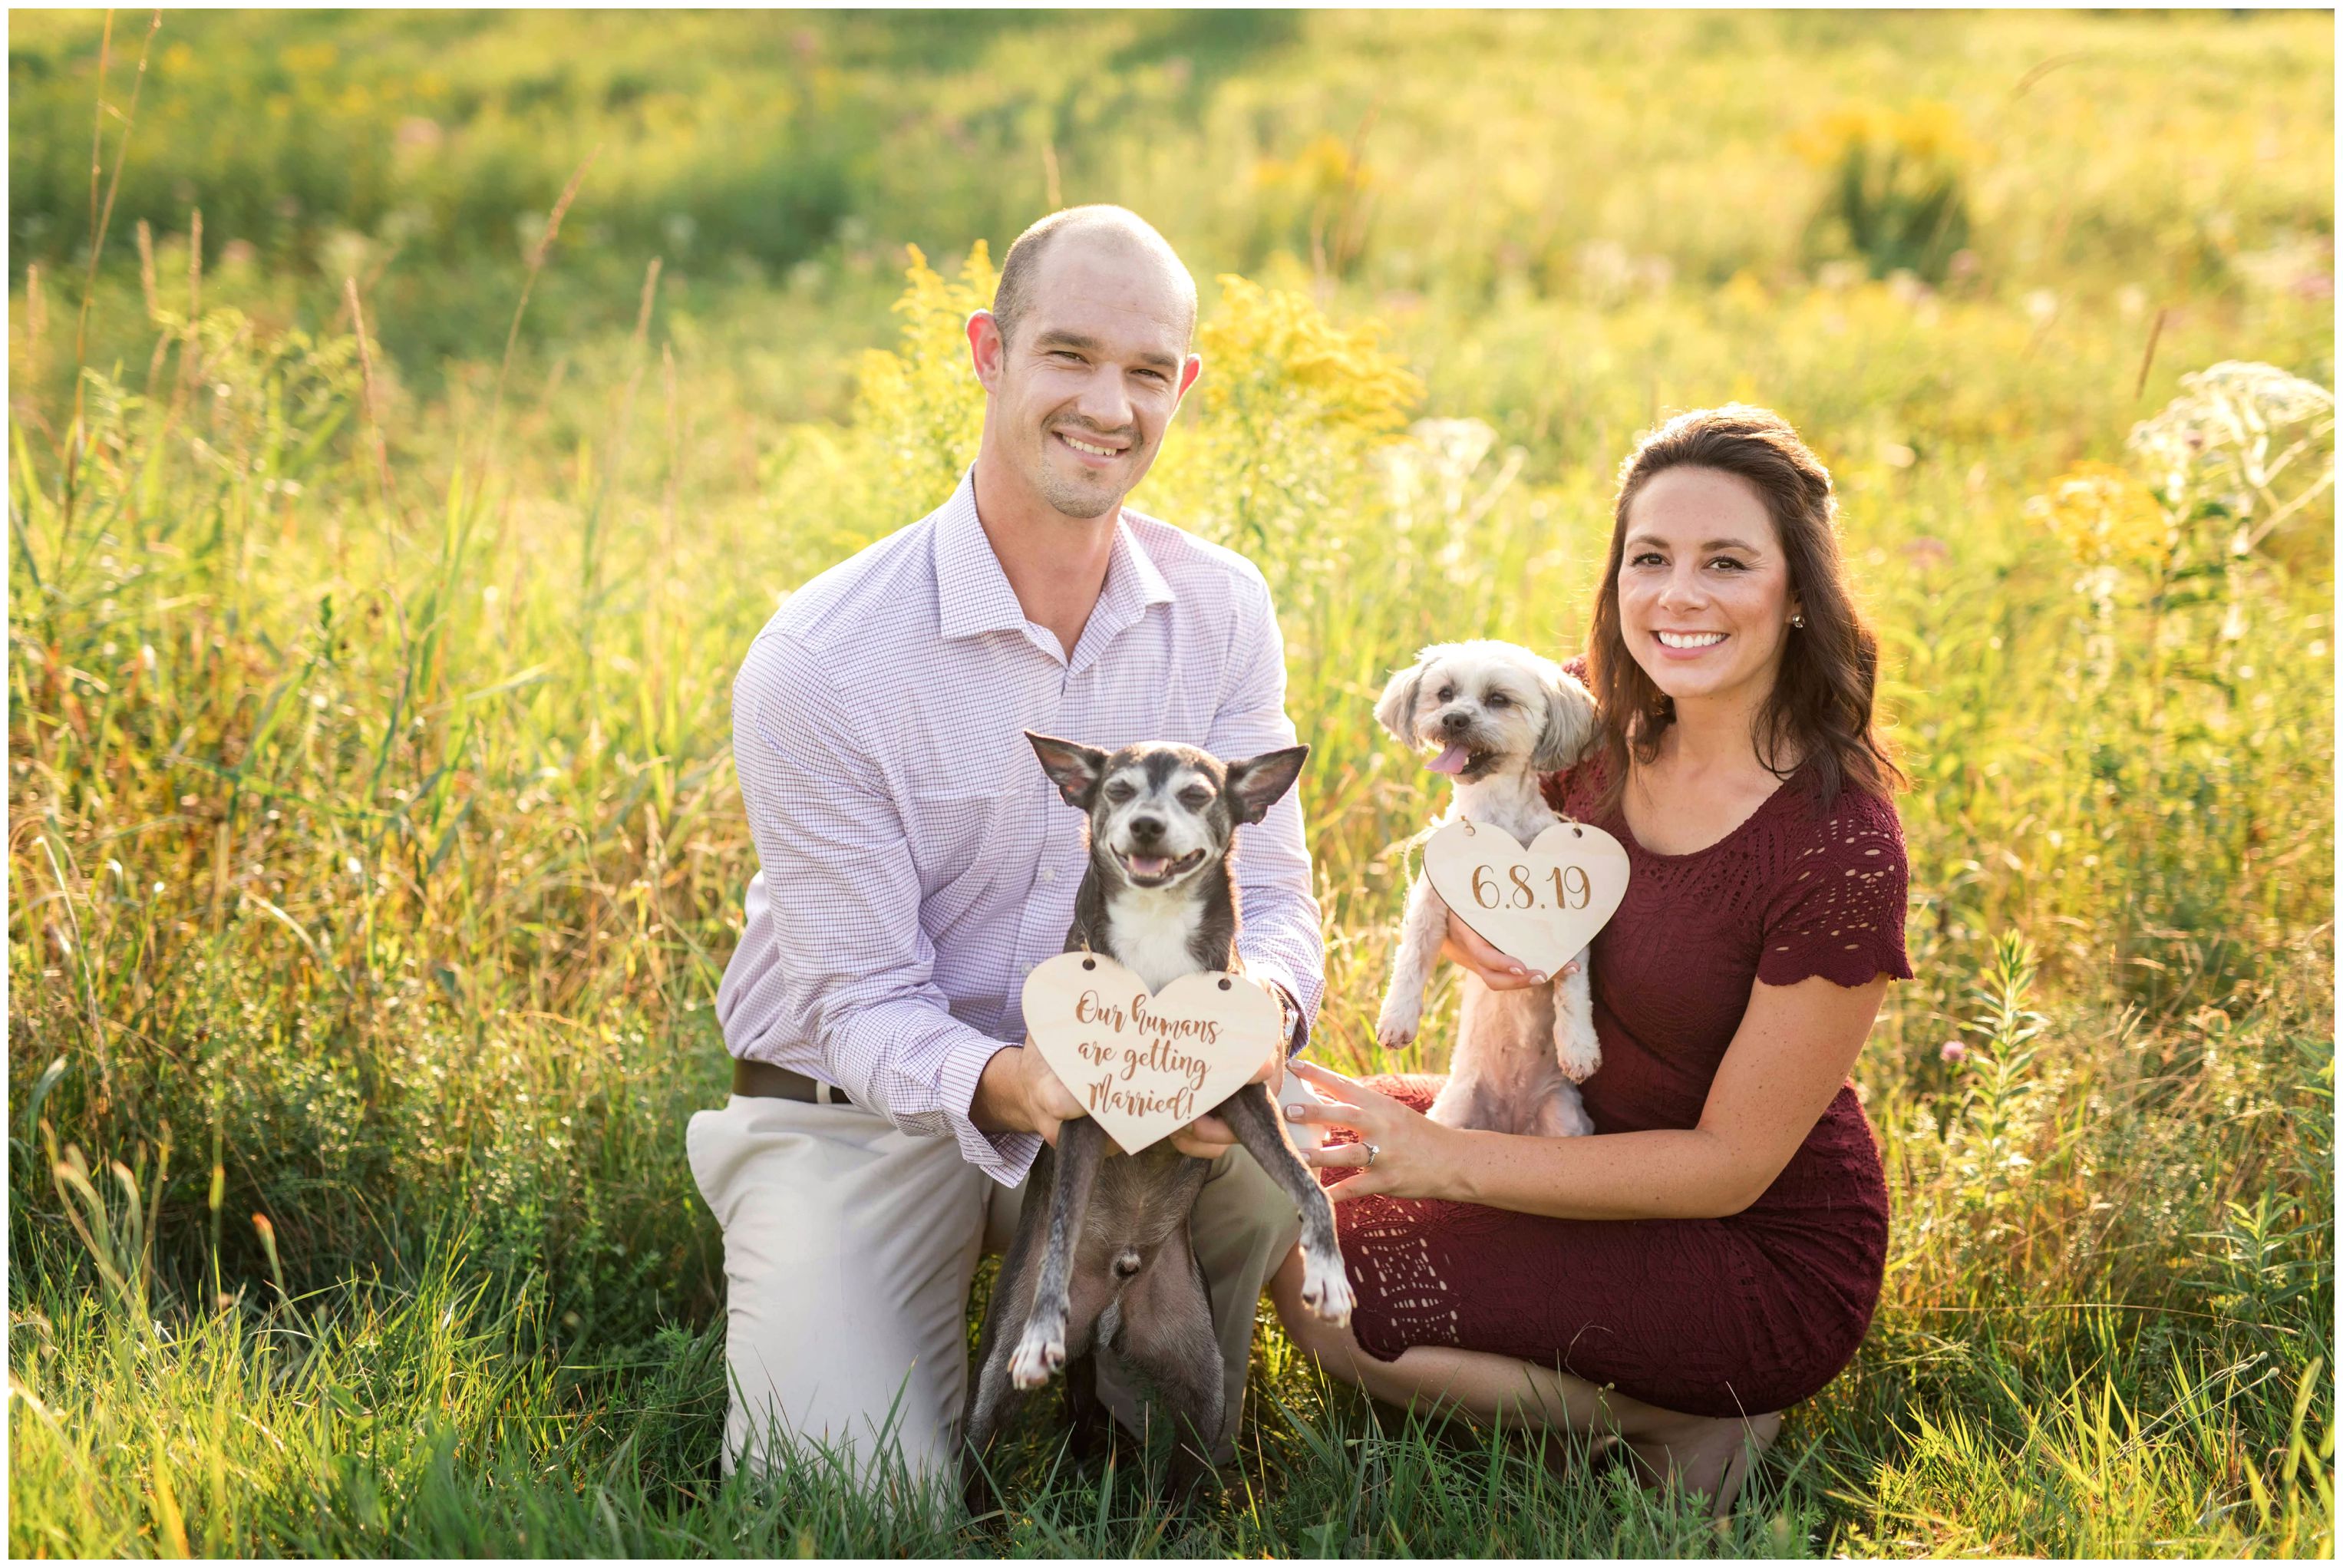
(763, 1080)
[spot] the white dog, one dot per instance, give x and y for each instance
(1501, 716)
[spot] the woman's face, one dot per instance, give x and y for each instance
(1704, 598)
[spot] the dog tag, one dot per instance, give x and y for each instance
(1539, 906)
(1145, 1064)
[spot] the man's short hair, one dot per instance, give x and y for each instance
(1013, 296)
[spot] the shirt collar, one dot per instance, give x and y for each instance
(1132, 585)
(974, 595)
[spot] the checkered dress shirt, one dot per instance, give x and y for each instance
(917, 862)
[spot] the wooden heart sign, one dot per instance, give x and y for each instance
(1145, 1064)
(1539, 906)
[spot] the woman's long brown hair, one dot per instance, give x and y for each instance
(1819, 715)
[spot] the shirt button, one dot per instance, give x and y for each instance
(1049, 876)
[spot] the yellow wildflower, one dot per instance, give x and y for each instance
(2104, 517)
(1272, 344)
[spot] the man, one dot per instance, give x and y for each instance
(917, 864)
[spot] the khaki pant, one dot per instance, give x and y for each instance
(849, 1250)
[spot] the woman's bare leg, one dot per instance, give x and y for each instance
(1705, 1453)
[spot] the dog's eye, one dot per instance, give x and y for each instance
(1120, 792)
(1447, 694)
(1195, 797)
(1498, 699)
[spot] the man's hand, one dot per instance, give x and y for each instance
(1209, 1137)
(1017, 1092)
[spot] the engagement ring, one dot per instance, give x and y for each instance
(1372, 1151)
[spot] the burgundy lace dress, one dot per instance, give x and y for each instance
(1709, 1317)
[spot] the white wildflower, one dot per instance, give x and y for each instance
(1605, 268)
(2234, 434)
(1838, 275)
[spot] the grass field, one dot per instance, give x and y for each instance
(373, 847)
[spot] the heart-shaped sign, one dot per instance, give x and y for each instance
(1539, 906)
(1144, 1063)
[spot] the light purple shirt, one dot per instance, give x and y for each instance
(917, 861)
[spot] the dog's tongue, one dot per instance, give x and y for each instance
(1451, 761)
(1150, 865)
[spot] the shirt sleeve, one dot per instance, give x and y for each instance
(844, 898)
(1279, 935)
(1838, 910)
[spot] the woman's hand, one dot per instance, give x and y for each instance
(1413, 1153)
(1463, 945)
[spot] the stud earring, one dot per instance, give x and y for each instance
(1798, 620)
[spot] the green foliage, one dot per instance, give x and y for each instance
(1567, 155)
(447, 135)
(1996, 1123)
(1898, 196)
(375, 849)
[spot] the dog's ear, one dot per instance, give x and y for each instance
(1257, 783)
(1395, 710)
(1570, 725)
(1073, 768)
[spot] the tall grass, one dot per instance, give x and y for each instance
(373, 851)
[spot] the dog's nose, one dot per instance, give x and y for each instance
(1147, 829)
(1455, 723)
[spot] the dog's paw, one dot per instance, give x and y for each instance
(1578, 1053)
(1397, 1026)
(1038, 1357)
(1325, 1288)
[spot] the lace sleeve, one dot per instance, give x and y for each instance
(1839, 908)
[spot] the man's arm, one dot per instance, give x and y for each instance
(1279, 936)
(857, 970)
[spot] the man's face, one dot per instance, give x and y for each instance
(1079, 402)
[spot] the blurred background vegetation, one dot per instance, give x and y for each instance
(375, 850)
(783, 159)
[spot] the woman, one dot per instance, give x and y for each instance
(1712, 1254)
